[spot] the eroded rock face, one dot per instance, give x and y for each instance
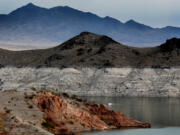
(145, 82)
(68, 116)
(114, 118)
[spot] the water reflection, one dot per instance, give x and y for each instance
(158, 131)
(160, 112)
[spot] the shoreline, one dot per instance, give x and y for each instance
(58, 113)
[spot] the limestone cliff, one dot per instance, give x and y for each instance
(145, 82)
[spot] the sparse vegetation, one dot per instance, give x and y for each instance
(98, 51)
(80, 51)
(75, 97)
(12, 117)
(65, 95)
(72, 103)
(7, 110)
(30, 106)
(5, 131)
(101, 118)
(83, 124)
(43, 106)
(47, 124)
(33, 89)
(56, 94)
(62, 122)
(71, 122)
(26, 96)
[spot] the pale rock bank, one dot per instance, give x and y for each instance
(145, 82)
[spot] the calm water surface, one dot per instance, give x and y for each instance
(162, 113)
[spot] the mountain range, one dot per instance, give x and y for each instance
(33, 24)
(92, 50)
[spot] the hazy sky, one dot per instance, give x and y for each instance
(156, 13)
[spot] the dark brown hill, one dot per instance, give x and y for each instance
(91, 50)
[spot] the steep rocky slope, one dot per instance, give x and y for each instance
(91, 50)
(60, 114)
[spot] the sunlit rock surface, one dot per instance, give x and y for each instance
(145, 82)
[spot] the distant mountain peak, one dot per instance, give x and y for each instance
(30, 5)
(62, 7)
(131, 22)
(27, 9)
(137, 25)
(57, 24)
(112, 20)
(96, 37)
(108, 17)
(86, 39)
(86, 33)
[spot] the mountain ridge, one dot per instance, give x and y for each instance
(32, 23)
(92, 50)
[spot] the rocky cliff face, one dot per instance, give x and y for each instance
(68, 115)
(46, 113)
(145, 82)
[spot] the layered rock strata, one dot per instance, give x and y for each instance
(68, 115)
(145, 82)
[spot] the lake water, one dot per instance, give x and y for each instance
(162, 113)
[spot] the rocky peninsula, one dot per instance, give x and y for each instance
(56, 113)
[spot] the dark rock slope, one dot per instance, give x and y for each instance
(91, 50)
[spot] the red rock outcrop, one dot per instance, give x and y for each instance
(68, 116)
(114, 118)
(2, 126)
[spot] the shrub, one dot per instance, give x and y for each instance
(102, 118)
(62, 122)
(29, 96)
(43, 105)
(47, 124)
(32, 96)
(83, 124)
(7, 110)
(65, 95)
(33, 89)
(74, 96)
(5, 131)
(71, 122)
(30, 106)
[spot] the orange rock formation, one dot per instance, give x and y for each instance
(2, 130)
(68, 116)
